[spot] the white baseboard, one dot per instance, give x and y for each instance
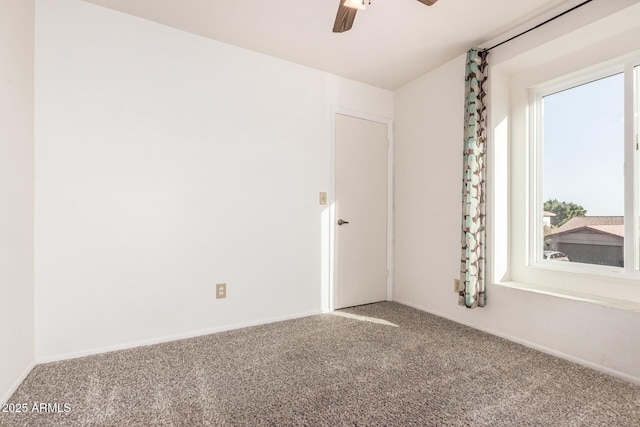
(163, 339)
(17, 383)
(541, 348)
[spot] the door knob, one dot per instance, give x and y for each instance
(340, 222)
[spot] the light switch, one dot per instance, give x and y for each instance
(323, 198)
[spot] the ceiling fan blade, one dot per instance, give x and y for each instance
(344, 18)
(428, 2)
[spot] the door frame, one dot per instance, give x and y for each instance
(333, 283)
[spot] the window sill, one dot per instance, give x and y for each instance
(574, 295)
(605, 271)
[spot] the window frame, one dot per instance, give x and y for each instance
(630, 66)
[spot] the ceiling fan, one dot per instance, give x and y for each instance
(347, 13)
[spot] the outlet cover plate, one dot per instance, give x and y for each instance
(221, 290)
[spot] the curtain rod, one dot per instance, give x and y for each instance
(485, 51)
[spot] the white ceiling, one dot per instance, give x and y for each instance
(391, 43)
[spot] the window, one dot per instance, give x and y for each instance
(585, 170)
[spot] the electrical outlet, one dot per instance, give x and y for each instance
(221, 290)
(456, 285)
(323, 198)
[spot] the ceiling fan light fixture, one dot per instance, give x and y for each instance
(347, 10)
(355, 4)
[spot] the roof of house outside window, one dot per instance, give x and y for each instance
(613, 225)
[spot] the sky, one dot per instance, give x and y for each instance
(584, 146)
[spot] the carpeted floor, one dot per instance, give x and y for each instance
(329, 370)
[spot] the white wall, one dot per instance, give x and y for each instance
(16, 193)
(165, 163)
(428, 118)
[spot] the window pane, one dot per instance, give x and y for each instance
(583, 173)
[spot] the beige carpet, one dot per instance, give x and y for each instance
(329, 370)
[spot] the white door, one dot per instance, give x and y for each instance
(361, 211)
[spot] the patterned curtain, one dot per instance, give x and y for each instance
(472, 269)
